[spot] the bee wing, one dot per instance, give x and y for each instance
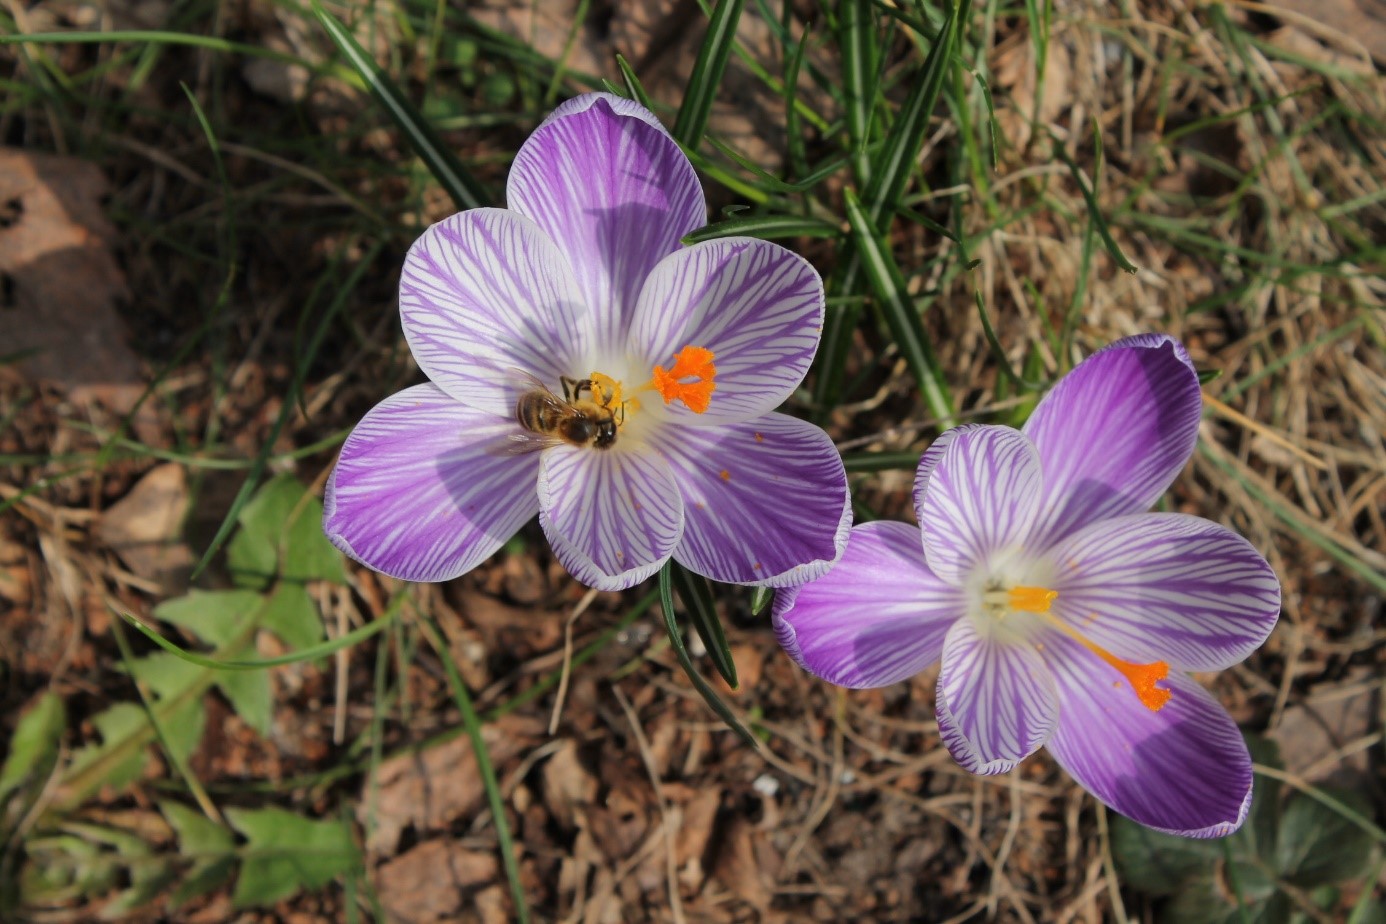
(526, 441)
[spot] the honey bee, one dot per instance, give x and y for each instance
(586, 415)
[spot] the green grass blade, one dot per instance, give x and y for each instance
(766, 227)
(857, 34)
(866, 462)
(633, 84)
(1099, 221)
(312, 653)
(696, 594)
(899, 312)
(472, 723)
(709, 695)
(466, 191)
(707, 72)
(894, 161)
(761, 598)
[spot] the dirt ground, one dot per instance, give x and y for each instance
(199, 252)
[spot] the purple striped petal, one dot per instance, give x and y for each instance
(996, 700)
(755, 305)
(423, 490)
(1184, 769)
(614, 192)
(878, 617)
(765, 501)
(613, 515)
(976, 493)
(1166, 587)
(1114, 433)
(485, 294)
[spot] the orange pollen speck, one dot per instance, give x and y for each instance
(724, 475)
(692, 362)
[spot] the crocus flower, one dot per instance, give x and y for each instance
(586, 367)
(1065, 615)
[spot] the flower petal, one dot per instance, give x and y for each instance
(423, 490)
(1184, 769)
(616, 194)
(755, 305)
(996, 701)
(612, 515)
(976, 493)
(1113, 433)
(765, 501)
(878, 617)
(485, 294)
(1166, 587)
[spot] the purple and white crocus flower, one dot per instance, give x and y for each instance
(581, 289)
(1065, 615)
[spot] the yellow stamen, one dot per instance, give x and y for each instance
(1031, 599)
(691, 362)
(1142, 677)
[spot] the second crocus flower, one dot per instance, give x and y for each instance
(586, 367)
(1065, 615)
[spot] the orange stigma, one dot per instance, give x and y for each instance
(1142, 677)
(691, 362)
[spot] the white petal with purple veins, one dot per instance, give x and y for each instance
(1166, 587)
(614, 192)
(424, 490)
(1114, 433)
(1184, 769)
(878, 617)
(996, 700)
(485, 297)
(755, 305)
(976, 494)
(765, 501)
(613, 515)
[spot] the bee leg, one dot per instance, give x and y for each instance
(573, 387)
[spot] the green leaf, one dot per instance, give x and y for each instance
(211, 847)
(1206, 899)
(215, 617)
(34, 744)
(633, 85)
(281, 533)
(293, 616)
(250, 695)
(286, 853)
(857, 37)
(120, 722)
(709, 695)
(466, 191)
(898, 310)
(1156, 863)
(761, 597)
(765, 227)
(1318, 846)
(707, 72)
(696, 594)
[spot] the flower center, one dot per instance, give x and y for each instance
(998, 601)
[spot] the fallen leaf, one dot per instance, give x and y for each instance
(568, 785)
(432, 788)
(1312, 734)
(432, 881)
(1357, 22)
(145, 527)
(59, 283)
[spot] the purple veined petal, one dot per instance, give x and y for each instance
(976, 493)
(619, 105)
(1166, 587)
(614, 192)
(1184, 770)
(765, 501)
(755, 305)
(996, 700)
(486, 295)
(878, 617)
(612, 515)
(423, 489)
(1113, 433)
